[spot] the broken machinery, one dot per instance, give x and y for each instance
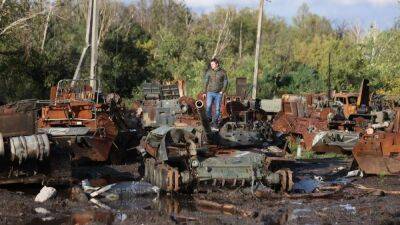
(26, 155)
(78, 119)
(378, 151)
(192, 158)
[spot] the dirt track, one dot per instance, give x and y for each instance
(351, 206)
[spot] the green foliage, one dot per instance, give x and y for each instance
(126, 60)
(166, 41)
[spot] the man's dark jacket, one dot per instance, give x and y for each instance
(215, 80)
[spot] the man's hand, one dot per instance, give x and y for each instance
(204, 95)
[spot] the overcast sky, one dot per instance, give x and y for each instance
(364, 12)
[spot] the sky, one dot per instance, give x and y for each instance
(363, 12)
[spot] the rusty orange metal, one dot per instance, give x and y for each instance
(230, 105)
(349, 101)
(379, 153)
(299, 117)
(18, 119)
(76, 106)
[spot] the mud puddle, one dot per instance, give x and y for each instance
(169, 204)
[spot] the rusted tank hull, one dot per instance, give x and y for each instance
(180, 161)
(379, 153)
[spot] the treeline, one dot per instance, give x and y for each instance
(41, 42)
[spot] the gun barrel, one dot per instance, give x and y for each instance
(203, 118)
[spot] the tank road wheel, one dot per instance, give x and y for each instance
(286, 179)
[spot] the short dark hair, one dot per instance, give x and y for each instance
(215, 60)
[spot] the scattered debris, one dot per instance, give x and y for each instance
(355, 173)
(99, 204)
(349, 208)
(49, 218)
(372, 190)
(45, 194)
(227, 208)
(101, 190)
(86, 185)
(120, 217)
(41, 210)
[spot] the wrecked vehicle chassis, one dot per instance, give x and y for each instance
(190, 159)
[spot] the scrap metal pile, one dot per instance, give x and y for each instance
(40, 140)
(169, 132)
(323, 124)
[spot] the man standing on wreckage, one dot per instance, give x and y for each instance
(215, 81)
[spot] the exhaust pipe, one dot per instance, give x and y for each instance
(203, 118)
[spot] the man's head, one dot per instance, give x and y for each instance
(214, 63)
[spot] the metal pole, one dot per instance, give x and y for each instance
(329, 78)
(257, 55)
(94, 45)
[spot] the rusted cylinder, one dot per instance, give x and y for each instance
(203, 118)
(36, 147)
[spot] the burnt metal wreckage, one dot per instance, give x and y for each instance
(192, 158)
(24, 154)
(325, 125)
(166, 105)
(377, 152)
(41, 140)
(92, 128)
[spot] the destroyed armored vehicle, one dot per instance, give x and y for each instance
(92, 128)
(40, 140)
(323, 125)
(192, 158)
(26, 155)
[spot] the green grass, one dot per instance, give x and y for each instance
(313, 155)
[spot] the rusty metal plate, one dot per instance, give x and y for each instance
(18, 124)
(378, 153)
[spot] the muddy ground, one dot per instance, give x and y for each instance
(349, 206)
